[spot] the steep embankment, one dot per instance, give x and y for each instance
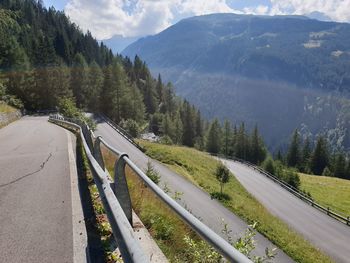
(8, 114)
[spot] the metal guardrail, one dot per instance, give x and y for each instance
(117, 203)
(295, 191)
(120, 130)
(123, 233)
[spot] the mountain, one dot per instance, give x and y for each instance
(48, 63)
(280, 72)
(118, 43)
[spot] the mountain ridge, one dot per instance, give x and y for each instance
(216, 59)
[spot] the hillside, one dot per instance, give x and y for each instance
(280, 72)
(329, 191)
(48, 63)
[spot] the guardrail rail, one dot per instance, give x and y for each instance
(116, 199)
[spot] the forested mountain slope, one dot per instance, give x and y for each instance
(47, 62)
(281, 72)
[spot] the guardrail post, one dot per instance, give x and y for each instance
(120, 188)
(87, 136)
(98, 153)
(348, 221)
(327, 210)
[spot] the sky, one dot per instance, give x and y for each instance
(137, 18)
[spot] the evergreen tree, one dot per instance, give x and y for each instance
(306, 154)
(242, 144)
(279, 156)
(107, 92)
(120, 103)
(178, 129)
(257, 148)
(136, 107)
(95, 86)
(167, 127)
(60, 83)
(80, 81)
(187, 117)
(320, 157)
(339, 166)
(293, 155)
(159, 89)
(227, 136)
(150, 99)
(213, 139)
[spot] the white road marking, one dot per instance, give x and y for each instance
(79, 230)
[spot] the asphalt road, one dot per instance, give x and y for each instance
(323, 231)
(40, 205)
(199, 202)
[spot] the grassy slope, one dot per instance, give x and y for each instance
(4, 108)
(199, 168)
(163, 224)
(328, 191)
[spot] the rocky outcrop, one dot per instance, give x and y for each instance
(6, 118)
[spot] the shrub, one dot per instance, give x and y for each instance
(269, 166)
(131, 126)
(166, 140)
(152, 173)
(220, 196)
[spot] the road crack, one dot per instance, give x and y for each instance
(29, 174)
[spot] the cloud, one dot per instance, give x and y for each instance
(130, 18)
(134, 18)
(337, 10)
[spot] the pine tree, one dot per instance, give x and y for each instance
(178, 129)
(257, 149)
(107, 92)
(279, 156)
(306, 154)
(167, 127)
(60, 83)
(159, 89)
(242, 144)
(80, 80)
(339, 166)
(188, 125)
(320, 157)
(213, 139)
(293, 155)
(150, 99)
(227, 136)
(95, 86)
(136, 107)
(120, 103)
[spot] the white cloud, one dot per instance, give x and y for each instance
(337, 10)
(130, 18)
(258, 10)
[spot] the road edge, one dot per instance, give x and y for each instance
(78, 223)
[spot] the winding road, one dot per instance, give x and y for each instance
(41, 218)
(196, 200)
(326, 233)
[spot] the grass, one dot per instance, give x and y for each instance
(199, 168)
(328, 191)
(4, 108)
(164, 226)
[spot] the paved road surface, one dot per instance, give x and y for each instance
(199, 202)
(39, 199)
(323, 231)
